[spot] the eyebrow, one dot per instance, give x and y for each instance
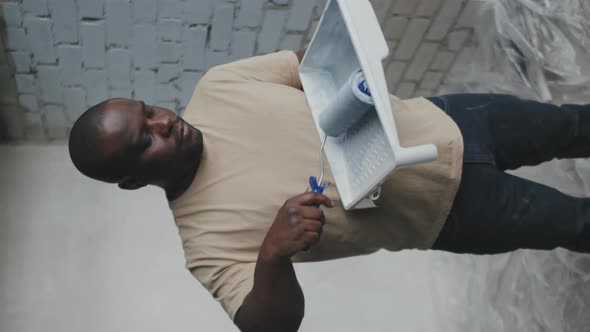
(136, 139)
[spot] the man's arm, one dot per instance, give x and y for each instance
(276, 301)
(279, 68)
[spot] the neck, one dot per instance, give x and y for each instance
(180, 184)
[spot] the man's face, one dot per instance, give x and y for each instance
(151, 142)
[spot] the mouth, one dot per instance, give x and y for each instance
(183, 133)
(180, 133)
(186, 133)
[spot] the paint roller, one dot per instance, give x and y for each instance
(350, 104)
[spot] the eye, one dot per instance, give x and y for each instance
(148, 112)
(147, 141)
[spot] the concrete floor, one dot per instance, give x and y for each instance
(78, 255)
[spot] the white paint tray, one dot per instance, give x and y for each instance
(349, 37)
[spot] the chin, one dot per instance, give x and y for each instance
(196, 148)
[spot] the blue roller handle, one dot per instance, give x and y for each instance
(316, 188)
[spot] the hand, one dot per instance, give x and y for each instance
(298, 225)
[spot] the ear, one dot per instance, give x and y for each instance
(129, 183)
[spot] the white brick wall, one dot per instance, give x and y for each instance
(65, 20)
(59, 57)
(12, 14)
(50, 83)
(119, 68)
(118, 22)
(75, 102)
(95, 82)
(169, 8)
(198, 12)
(36, 7)
(92, 8)
(170, 29)
(29, 102)
(300, 15)
(93, 41)
(411, 39)
(428, 36)
(145, 11)
(250, 14)
(243, 44)
(26, 83)
(145, 85)
(271, 31)
(195, 42)
(70, 62)
(41, 39)
(144, 48)
(17, 39)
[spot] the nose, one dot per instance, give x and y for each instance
(162, 126)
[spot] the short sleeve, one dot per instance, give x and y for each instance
(280, 68)
(229, 286)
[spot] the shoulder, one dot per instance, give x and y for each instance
(215, 80)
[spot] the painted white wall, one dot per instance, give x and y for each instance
(80, 255)
(77, 255)
(83, 256)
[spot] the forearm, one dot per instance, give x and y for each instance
(276, 302)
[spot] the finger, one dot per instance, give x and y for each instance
(308, 189)
(306, 212)
(310, 239)
(313, 199)
(311, 212)
(294, 214)
(309, 225)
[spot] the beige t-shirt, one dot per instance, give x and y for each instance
(261, 146)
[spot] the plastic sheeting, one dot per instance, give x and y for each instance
(541, 43)
(536, 49)
(522, 291)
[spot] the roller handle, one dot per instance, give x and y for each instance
(316, 188)
(416, 155)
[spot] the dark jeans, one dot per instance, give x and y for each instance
(495, 212)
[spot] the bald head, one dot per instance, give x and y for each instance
(86, 142)
(127, 142)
